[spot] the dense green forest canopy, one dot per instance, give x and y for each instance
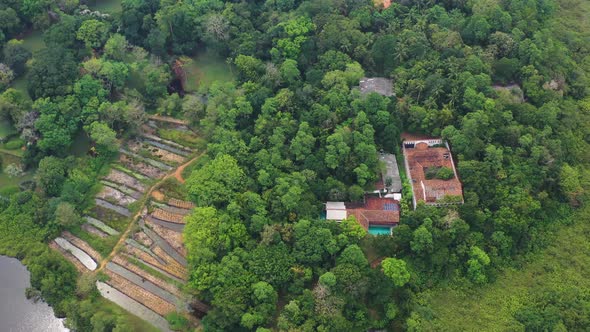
(505, 82)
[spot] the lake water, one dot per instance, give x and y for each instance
(17, 314)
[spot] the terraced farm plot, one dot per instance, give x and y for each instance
(169, 225)
(133, 306)
(78, 253)
(146, 262)
(166, 145)
(122, 178)
(135, 165)
(168, 216)
(172, 237)
(150, 151)
(115, 197)
(103, 203)
(102, 226)
(171, 269)
(154, 279)
(123, 188)
(69, 256)
(165, 246)
(93, 230)
(103, 244)
(143, 239)
(171, 209)
(82, 246)
(181, 204)
(142, 296)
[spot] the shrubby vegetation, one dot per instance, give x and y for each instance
(293, 131)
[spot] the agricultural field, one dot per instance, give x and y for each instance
(133, 235)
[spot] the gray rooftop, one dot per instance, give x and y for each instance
(391, 171)
(380, 85)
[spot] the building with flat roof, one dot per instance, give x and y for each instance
(335, 211)
(431, 170)
(390, 183)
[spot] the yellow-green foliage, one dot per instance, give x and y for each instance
(564, 265)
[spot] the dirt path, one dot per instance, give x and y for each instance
(177, 175)
(168, 119)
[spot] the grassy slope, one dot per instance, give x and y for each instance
(566, 262)
(6, 129)
(34, 41)
(205, 69)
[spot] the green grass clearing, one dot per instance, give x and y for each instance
(107, 6)
(33, 41)
(6, 181)
(205, 69)
(81, 144)
(20, 84)
(135, 323)
(202, 161)
(6, 129)
(185, 138)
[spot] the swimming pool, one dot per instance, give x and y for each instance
(379, 230)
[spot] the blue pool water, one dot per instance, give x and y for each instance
(379, 230)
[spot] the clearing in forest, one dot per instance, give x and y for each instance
(204, 69)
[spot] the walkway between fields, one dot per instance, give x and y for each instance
(175, 174)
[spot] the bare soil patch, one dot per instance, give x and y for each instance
(125, 179)
(181, 204)
(115, 196)
(168, 216)
(93, 230)
(143, 168)
(157, 195)
(143, 239)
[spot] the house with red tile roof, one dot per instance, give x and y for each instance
(379, 211)
(377, 215)
(431, 171)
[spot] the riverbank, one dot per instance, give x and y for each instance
(17, 313)
(22, 235)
